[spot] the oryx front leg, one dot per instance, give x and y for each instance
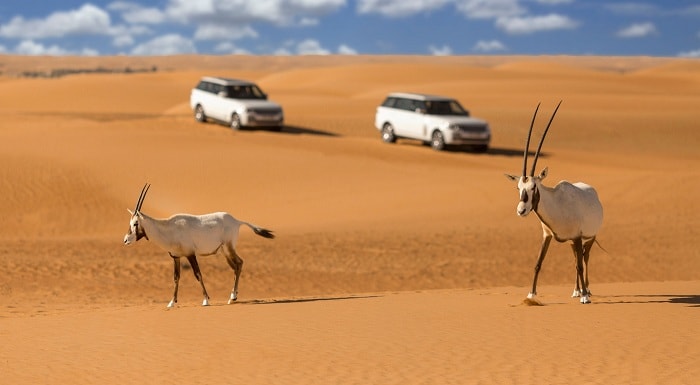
(198, 274)
(543, 251)
(236, 264)
(176, 279)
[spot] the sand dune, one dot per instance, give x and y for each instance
(393, 263)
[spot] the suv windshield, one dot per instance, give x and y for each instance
(245, 92)
(445, 107)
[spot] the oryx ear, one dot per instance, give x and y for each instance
(544, 172)
(512, 177)
(130, 212)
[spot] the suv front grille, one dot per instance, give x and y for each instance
(471, 129)
(265, 111)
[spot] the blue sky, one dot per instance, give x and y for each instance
(302, 27)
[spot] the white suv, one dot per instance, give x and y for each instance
(238, 103)
(435, 120)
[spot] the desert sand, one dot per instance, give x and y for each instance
(393, 263)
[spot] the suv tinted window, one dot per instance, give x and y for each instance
(209, 87)
(405, 104)
(445, 107)
(244, 92)
(389, 102)
(410, 105)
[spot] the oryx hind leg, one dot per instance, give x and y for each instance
(236, 264)
(586, 255)
(577, 245)
(198, 274)
(176, 279)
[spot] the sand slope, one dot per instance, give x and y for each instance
(393, 263)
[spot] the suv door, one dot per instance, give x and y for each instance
(218, 103)
(409, 119)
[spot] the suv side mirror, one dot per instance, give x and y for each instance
(420, 110)
(222, 94)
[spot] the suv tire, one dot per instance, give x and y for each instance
(199, 114)
(235, 122)
(388, 133)
(437, 141)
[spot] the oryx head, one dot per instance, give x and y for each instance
(528, 185)
(136, 231)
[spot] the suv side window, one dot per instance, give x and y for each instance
(203, 86)
(405, 104)
(389, 102)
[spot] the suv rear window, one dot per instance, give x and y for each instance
(209, 87)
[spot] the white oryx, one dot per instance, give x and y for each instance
(567, 211)
(191, 236)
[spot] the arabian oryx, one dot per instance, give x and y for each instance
(191, 236)
(568, 212)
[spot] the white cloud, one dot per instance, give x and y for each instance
(86, 20)
(399, 8)
(311, 47)
(490, 9)
(531, 24)
(308, 22)
(228, 47)
(223, 32)
(554, 2)
(489, 46)
(693, 53)
(243, 12)
(346, 50)
(637, 30)
(135, 13)
(123, 41)
(445, 50)
(282, 52)
(30, 47)
(171, 44)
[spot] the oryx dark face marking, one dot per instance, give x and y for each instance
(528, 195)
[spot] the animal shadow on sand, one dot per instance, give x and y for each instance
(690, 300)
(273, 301)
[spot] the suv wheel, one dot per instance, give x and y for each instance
(199, 114)
(388, 133)
(235, 122)
(437, 142)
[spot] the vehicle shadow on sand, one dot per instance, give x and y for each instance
(293, 130)
(495, 151)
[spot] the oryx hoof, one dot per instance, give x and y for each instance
(531, 295)
(585, 299)
(233, 298)
(205, 302)
(171, 304)
(576, 294)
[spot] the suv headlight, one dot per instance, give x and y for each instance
(453, 127)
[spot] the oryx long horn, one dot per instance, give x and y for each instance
(141, 197)
(527, 144)
(537, 154)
